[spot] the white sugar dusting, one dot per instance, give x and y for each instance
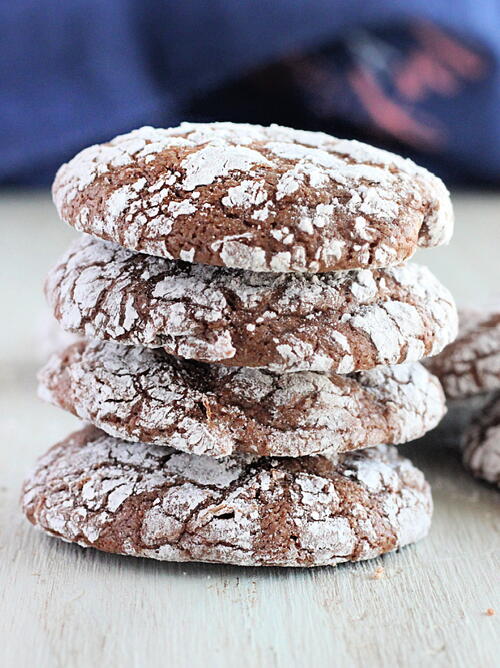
(183, 208)
(481, 442)
(205, 165)
(102, 291)
(194, 508)
(321, 179)
(247, 194)
(109, 383)
(471, 364)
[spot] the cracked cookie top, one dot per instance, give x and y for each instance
(471, 364)
(337, 322)
(481, 443)
(146, 395)
(148, 501)
(255, 198)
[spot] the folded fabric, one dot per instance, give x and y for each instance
(78, 72)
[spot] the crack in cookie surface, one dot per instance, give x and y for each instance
(255, 198)
(470, 365)
(338, 322)
(146, 395)
(143, 500)
(481, 443)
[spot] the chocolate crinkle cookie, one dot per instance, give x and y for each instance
(471, 364)
(155, 502)
(146, 395)
(481, 443)
(339, 322)
(255, 198)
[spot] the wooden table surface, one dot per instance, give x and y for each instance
(65, 606)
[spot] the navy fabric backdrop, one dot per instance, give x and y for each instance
(420, 77)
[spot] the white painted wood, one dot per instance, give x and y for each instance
(61, 606)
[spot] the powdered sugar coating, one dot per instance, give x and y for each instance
(338, 322)
(471, 364)
(224, 193)
(154, 502)
(481, 443)
(146, 395)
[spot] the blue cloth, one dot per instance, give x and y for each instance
(416, 76)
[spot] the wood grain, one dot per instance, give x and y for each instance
(64, 606)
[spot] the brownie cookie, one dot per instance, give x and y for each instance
(339, 322)
(481, 443)
(147, 501)
(146, 395)
(471, 364)
(256, 198)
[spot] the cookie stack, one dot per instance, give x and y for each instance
(250, 335)
(469, 370)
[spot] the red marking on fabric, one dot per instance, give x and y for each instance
(388, 115)
(421, 74)
(450, 51)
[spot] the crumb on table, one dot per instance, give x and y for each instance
(378, 573)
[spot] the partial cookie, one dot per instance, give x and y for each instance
(481, 443)
(146, 395)
(459, 413)
(471, 364)
(339, 322)
(147, 501)
(256, 198)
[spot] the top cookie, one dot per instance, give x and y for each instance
(253, 197)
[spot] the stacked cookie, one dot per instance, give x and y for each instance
(250, 335)
(469, 370)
